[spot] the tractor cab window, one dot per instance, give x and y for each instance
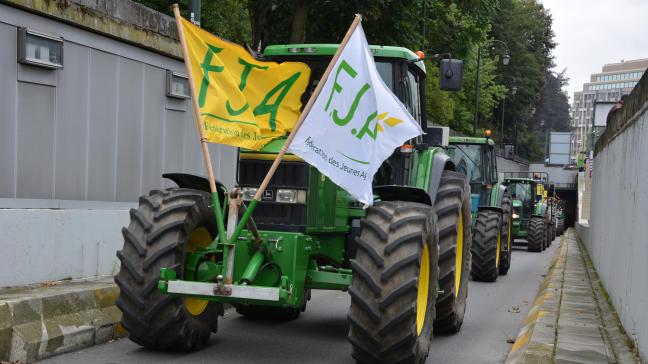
(318, 66)
(521, 191)
(490, 165)
(468, 161)
(411, 97)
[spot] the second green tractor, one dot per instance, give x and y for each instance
(491, 206)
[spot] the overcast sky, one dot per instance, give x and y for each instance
(591, 33)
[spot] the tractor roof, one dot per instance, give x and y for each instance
(471, 140)
(329, 50)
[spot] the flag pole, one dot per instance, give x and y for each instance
(307, 108)
(200, 126)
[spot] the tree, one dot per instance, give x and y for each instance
(552, 112)
(526, 27)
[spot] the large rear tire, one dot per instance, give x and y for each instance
(486, 246)
(536, 234)
(560, 226)
(452, 207)
(507, 246)
(394, 284)
(166, 224)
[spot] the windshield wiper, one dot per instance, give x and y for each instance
(466, 154)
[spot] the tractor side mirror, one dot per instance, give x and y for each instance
(437, 136)
(450, 74)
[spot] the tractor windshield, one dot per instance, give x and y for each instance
(405, 85)
(521, 191)
(467, 160)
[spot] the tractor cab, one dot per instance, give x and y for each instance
(475, 157)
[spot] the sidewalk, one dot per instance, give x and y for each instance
(571, 321)
(39, 321)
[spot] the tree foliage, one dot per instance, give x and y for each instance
(458, 27)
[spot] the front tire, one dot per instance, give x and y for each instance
(394, 287)
(452, 207)
(166, 224)
(486, 246)
(536, 234)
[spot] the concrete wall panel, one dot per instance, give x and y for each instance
(34, 138)
(102, 121)
(59, 244)
(129, 130)
(8, 93)
(71, 125)
(616, 239)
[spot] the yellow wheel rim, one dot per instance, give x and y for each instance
(499, 248)
(423, 290)
(459, 254)
(199, 238)
(509, 237)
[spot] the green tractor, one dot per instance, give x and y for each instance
(533, 208)
(405, 260)
(491, 206)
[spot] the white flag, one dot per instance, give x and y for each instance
(355, 123)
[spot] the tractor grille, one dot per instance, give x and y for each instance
(269, 214)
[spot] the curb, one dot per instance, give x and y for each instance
(536, 341)
(40, 321)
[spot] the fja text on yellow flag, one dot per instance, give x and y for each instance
(243, 102)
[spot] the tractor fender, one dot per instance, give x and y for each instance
(501, 191)
(440, 163)
(491, 208)
(402, 193)
(186, 180)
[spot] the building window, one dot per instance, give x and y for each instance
(40, 49)
(177, 85)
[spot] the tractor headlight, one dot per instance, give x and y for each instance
(291, 196)
(247, 193)
(516, 216)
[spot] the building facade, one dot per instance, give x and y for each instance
(88, 123)
(614, 80)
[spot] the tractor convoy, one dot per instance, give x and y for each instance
(405, 261)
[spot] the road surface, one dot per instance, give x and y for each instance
(494, 316)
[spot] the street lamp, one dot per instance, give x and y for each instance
(505, 60)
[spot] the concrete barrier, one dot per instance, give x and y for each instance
(44, 320)
(616, 234)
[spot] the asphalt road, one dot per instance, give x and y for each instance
(495, 312)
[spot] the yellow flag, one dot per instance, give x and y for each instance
(243, 102)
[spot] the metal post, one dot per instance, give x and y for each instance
(477, 92)
(194, 11)
(502, 126)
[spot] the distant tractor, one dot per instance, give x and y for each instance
(533, 208)
(491, 206)
(405, 260)
(560, 217)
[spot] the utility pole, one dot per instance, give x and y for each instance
(477, 92)
(505, 60)
(194, 11)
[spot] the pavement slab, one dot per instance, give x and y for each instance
(578, 327)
